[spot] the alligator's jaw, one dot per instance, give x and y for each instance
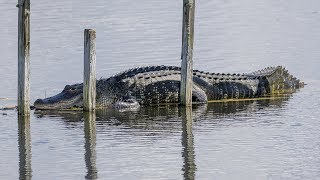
(58, 102)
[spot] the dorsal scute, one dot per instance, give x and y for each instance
(156, 70)
(138, 70)
(264, 72)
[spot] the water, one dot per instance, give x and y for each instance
(271, 139)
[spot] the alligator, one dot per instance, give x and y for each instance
(156, 85)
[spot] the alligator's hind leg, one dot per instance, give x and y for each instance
(198, 95)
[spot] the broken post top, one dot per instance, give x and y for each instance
(91, 32)
(20, 3)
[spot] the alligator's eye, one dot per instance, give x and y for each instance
(67, 87)
(73, 89)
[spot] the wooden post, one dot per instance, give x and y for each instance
(24, 57)
(89, 84)
(187, 52)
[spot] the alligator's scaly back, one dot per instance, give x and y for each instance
(279, 79)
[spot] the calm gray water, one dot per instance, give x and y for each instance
(270, 139)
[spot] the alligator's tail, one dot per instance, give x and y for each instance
(279, 79)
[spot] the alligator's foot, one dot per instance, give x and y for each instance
(128, 103)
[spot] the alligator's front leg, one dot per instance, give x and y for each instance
(126, 103)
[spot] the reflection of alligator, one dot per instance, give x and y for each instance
(161, 85)
(166, 117)
(155, 123)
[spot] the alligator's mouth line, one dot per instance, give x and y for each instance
(45, 104)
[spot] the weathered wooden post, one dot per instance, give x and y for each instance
(24, 57)
(89, 83)
(187, 52)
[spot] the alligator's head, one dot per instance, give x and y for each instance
(71, 96)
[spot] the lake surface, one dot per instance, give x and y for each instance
(265, 139)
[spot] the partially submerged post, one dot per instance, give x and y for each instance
(89, 83)
(24, 57)
(187, 52)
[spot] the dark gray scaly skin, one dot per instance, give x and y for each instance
(161, 85)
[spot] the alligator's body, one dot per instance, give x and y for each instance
(161, 85)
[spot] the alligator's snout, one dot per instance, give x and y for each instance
(38, 101)
(71, 96)
(39, 104)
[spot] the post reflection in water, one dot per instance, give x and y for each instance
(90, 145)
(189, 166)
(24, 141)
